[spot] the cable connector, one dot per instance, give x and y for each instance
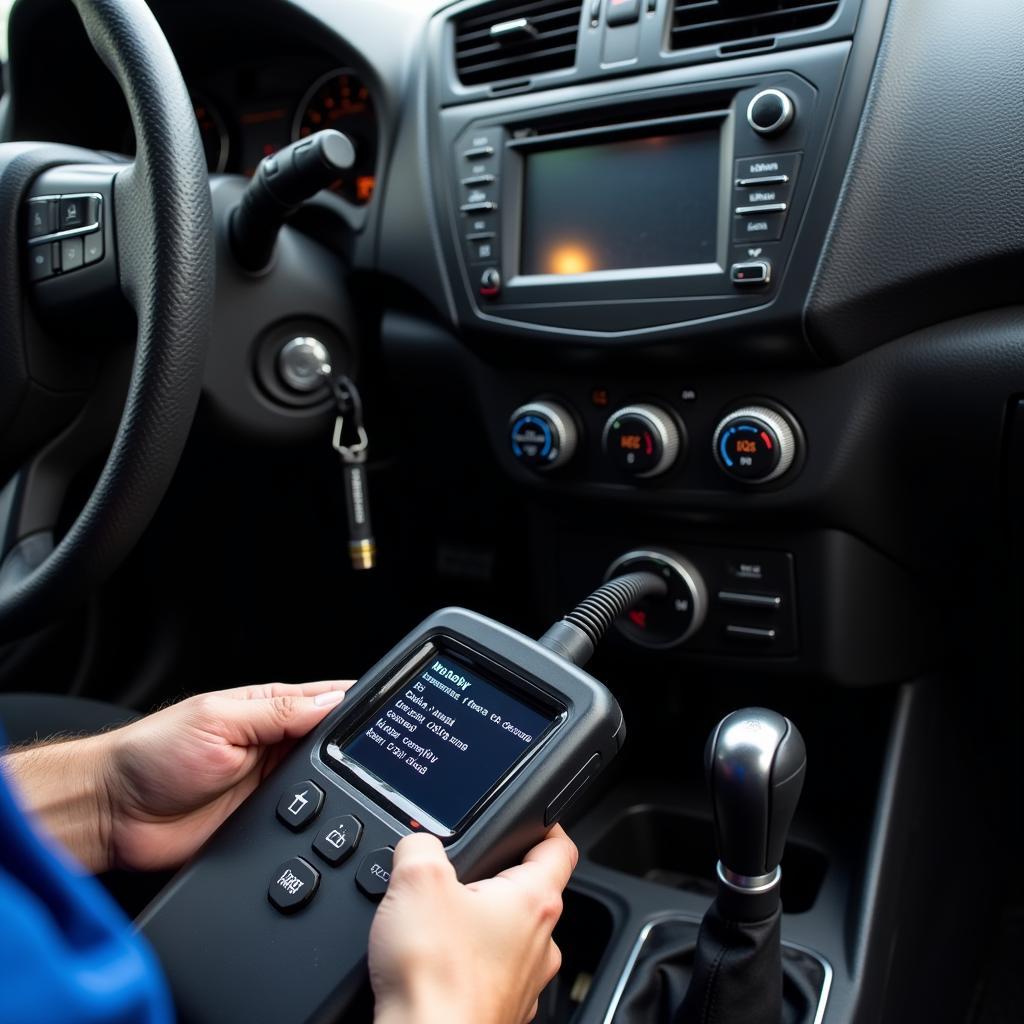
(577, 635)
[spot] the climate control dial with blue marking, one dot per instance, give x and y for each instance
(543, 435)
(755, 444)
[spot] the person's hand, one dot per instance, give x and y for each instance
(175, 776)
(441, 951)
(148, 795)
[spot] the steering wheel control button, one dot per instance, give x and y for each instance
(668, 621)
(543, 435)
(74, 212)
(337, 840)
(754, 445)
(300, 804)
(93, 247)
(770, 112)
(375, 872)
(42, 217)
(293, 884)
(752, 273)
(72, 254)
(304, 364)
(40, 261)
(490, 283)
(643, 440)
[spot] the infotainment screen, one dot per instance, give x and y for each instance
(617, 205)
(445, 738)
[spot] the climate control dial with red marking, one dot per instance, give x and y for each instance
(669, 620)
(643, 440)
(755, 444)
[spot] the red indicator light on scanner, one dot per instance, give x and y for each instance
(414, 824)
(638, 618)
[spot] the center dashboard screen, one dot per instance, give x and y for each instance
(619, 205)
(446, 738)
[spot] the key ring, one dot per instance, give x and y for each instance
(350, 453)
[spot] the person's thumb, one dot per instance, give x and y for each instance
(264, 721)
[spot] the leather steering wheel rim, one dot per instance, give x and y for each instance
(166, 266)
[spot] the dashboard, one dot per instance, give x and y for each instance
(736, 280)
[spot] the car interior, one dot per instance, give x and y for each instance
(359, 324)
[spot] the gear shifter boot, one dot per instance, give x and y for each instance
(737, 972)
(663, 970)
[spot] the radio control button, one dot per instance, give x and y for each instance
(481, 207)
(293, 884)
(771, 167)
(478, 152)
(755, 272)
(490, 283)
(764, 227)
(478, 179)
(762, 195)
(375, 872)
(486, 224)
(770, 112)
(482, 250)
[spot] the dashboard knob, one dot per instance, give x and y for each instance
(770, 112)
(661, 622)
(543, 434)
(643, 440)
(755, 444)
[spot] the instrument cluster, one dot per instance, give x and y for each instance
(249, 112)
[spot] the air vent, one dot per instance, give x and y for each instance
(713, 22)
(512, 40)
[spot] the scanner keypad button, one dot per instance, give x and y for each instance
(338, 838)
(375, 872)
(300, 804)
(293, 884)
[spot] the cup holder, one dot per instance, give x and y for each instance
(583, 935)
(678, 850)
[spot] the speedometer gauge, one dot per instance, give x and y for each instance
(212, 132)
(341, 100)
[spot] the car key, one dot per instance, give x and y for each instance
(351, 443)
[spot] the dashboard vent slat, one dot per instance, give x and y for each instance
(714, 22)
(546, 42)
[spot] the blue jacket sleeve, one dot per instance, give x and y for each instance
(67, 953)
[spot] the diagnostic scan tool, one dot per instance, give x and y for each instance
(467, 730)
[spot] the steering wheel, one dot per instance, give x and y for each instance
(143, 229)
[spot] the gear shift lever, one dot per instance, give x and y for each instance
(755, 761)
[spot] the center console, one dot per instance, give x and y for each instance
(694, 188)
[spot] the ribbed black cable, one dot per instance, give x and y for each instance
(595, 614)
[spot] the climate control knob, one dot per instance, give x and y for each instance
(543, 435)
(643, 440)
(755, 444)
